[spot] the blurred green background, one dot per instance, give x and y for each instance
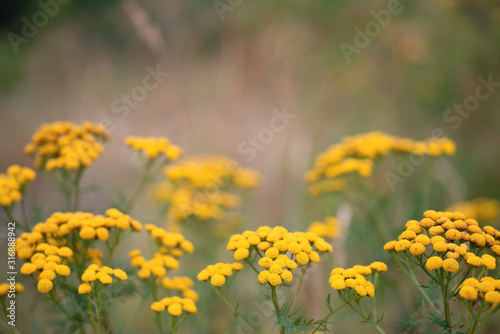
(232, 64)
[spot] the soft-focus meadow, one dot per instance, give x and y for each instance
(271, 86)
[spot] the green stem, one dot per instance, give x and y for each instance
(236, 314)
(274, 296)
(365, 317)
(446, 303)
(417, 283)
(299, 286)
(77, 188)
(140, 188)
(55, 298)
(330, 314)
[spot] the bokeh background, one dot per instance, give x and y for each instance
(232, 65)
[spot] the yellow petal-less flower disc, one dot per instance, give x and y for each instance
(63, 270)
(158, 307)
(44, 285)
(241, 254)
(84, 288)
(338, 284)
(28, 269)
(417, 249)
(450, 265)
(264, 276)
(218, 280)
(120, 274)
(378, 266)
(434, 263)
(492, 297)
(468, 293)
(275, 279)
(175, 309)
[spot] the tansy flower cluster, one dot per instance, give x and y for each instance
(170, 246)
(354, 279)
(66, 145)
(442, 240)
(71, 228)
(175, 305)
(449, 247)
(487, 288)
(46, 263)
(95, 274)
(327, 229)
(482, 209)
(203, 188)
(14, 183)
(153, 147)
(216, 274)
(356, 154)
(278, 251)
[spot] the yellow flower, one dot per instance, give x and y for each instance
(264, 276)
(28, 269)
(102, 234)
(65, 252)
(390, 246)
(63, 270)
(314, 257)
(44, 285)
(175, 309)
(87, 233)
(89, 276)
(120, 274)
(265, 262)
(450, 265)
(440, 247)
(492, 297)
(286, 276)
(468, 292)
(302, 258)
(144, 273)
(106, 279)
(218, 280)
(158, 307)
(241, 254)
(134, 253)
(417, 249)
(237, 266)
(274, 279)
(84, 288)
(434, 263)
(488, 261)
(47, 274)
(378, 266)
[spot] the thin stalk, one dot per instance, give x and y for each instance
(274, 296)
(55, 298)
(298, 287)
(446, 303)
(330, 314)
(417, 283)
(236, 315)
(77, 188)
(140, 188)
